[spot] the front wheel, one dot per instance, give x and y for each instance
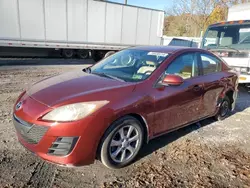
(225, 109)
(121, 143)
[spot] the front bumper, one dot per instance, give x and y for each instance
(244, 78)
(86, 135)
(79, 153)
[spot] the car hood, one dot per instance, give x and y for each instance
(57, 89)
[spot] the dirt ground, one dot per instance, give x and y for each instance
(214, 154)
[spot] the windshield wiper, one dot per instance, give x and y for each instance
(88, 70)
(108, 76)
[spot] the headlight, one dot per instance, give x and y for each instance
(73, 112)
(243, 69)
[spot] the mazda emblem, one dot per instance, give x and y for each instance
(19, 105)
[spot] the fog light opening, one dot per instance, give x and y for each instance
(62, 146)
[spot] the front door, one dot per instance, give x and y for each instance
(179, 105)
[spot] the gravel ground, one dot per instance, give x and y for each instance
(212, 154)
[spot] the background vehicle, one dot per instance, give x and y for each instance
(231, 41)
(76, 27)
(181, 41)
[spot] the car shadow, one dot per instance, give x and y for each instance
(168, 138)
(162, 141)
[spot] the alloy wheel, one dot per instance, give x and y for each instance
(124, 144)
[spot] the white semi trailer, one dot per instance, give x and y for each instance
(231, 40)
(77, 27)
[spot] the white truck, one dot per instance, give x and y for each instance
(77, 27)
(231, 41)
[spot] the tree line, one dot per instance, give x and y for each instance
(190, 17)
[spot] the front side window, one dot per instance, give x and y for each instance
(210, 64)
(185, 66)
(130, 65)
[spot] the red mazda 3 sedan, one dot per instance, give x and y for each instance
(109, 110)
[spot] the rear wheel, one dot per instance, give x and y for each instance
(121, 142)
(225, 109)
(97, 55)
(83, 54)
(68, 53)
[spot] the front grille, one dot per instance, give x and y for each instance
(31, 133)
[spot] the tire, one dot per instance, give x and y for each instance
(225, 109)
(109, 53)
(97, 55)
(124, 151)
(83, 54)
(68, 53)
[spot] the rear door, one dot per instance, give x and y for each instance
(214, 80)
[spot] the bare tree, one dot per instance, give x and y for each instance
(198, 11)
(193, 16)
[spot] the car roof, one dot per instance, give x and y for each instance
(163, 49)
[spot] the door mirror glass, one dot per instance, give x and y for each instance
(172, 80)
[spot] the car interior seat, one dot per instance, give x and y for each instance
(150, 65)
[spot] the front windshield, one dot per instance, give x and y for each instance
(129, 65)
(229, 36)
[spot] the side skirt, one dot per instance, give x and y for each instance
(182, 126)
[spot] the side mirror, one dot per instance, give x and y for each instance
(172, 80)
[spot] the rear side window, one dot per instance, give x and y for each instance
(210, 64)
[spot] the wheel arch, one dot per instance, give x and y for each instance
(140, 118)
(144, 124)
